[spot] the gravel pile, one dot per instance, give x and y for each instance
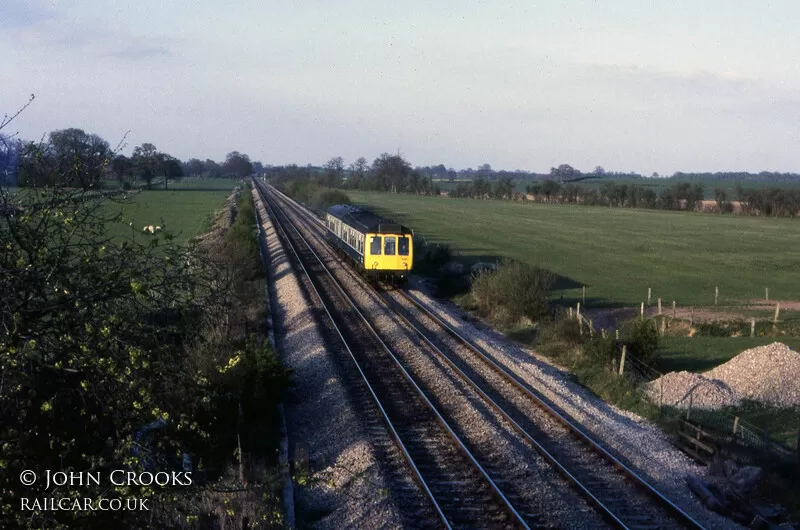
(681, 388)
(770, 374)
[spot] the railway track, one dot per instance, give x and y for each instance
(461, 492)
(623, 497)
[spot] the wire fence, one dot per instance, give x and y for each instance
(730, 426)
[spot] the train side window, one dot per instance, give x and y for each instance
(388, 246)
(375, 246)
(402, 246)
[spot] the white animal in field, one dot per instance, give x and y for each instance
(158, 229)
(149, 229)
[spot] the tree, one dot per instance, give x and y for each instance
(564, 173)
(237, 165)
(334, 172)
(122, 166)
(146, 161)
(358, 171)
(213, 169)
(193, 167)
(170, 167)
(598, 170)
(70, 157)
(10, 150)
(390, 173)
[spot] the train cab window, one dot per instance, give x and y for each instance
(375, 246)
(402, 246)
(389, 245)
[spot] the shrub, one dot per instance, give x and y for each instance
(323, 199)
(641, 338)
(513, 291)
(431, 256)
(601, 349)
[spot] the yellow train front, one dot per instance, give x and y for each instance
(381, 249)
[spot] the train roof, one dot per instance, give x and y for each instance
(365, 221)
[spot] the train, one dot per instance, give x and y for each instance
(379, 248)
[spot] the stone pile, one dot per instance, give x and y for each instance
(768, 374)
(679, 386)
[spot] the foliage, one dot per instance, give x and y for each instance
(102, 336)
(70, 157)
(431, 256)
(512, 291)
(640, 336)
(322, 199)
(237, 165)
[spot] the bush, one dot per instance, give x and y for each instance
(513, 291)
(431, 256)
(323, 199)
(601, 349)
(641, 339)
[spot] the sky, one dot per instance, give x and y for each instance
(629, 85)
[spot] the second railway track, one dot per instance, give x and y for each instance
(617, 492)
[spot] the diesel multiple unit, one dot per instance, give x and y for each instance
(380, 248)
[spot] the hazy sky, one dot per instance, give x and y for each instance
(638, 85)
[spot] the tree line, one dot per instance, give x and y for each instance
(390, 173)
(768, 201)
(85, 160)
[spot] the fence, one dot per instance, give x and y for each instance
(732, 427)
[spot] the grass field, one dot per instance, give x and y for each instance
(616, 253)
(198, 184)
(184, 213)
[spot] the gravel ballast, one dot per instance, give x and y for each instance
(636, 442)
(344, 486)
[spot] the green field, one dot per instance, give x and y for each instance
(616, 253)
(184, 213)
(198, 184)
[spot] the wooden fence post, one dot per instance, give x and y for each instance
(752, 328)
(663, 326)
(570, 313)
(673, 310)
(689, 410)
(641, 310)
(716, 295)
(622, 360)
(659, 306)
(617, 332)
(578, 311)
(766, 294)
(649, 291)
(691, 319)
(603, 332)
(583, 295)
(735, 425)
(591, 328)
(777, 313)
